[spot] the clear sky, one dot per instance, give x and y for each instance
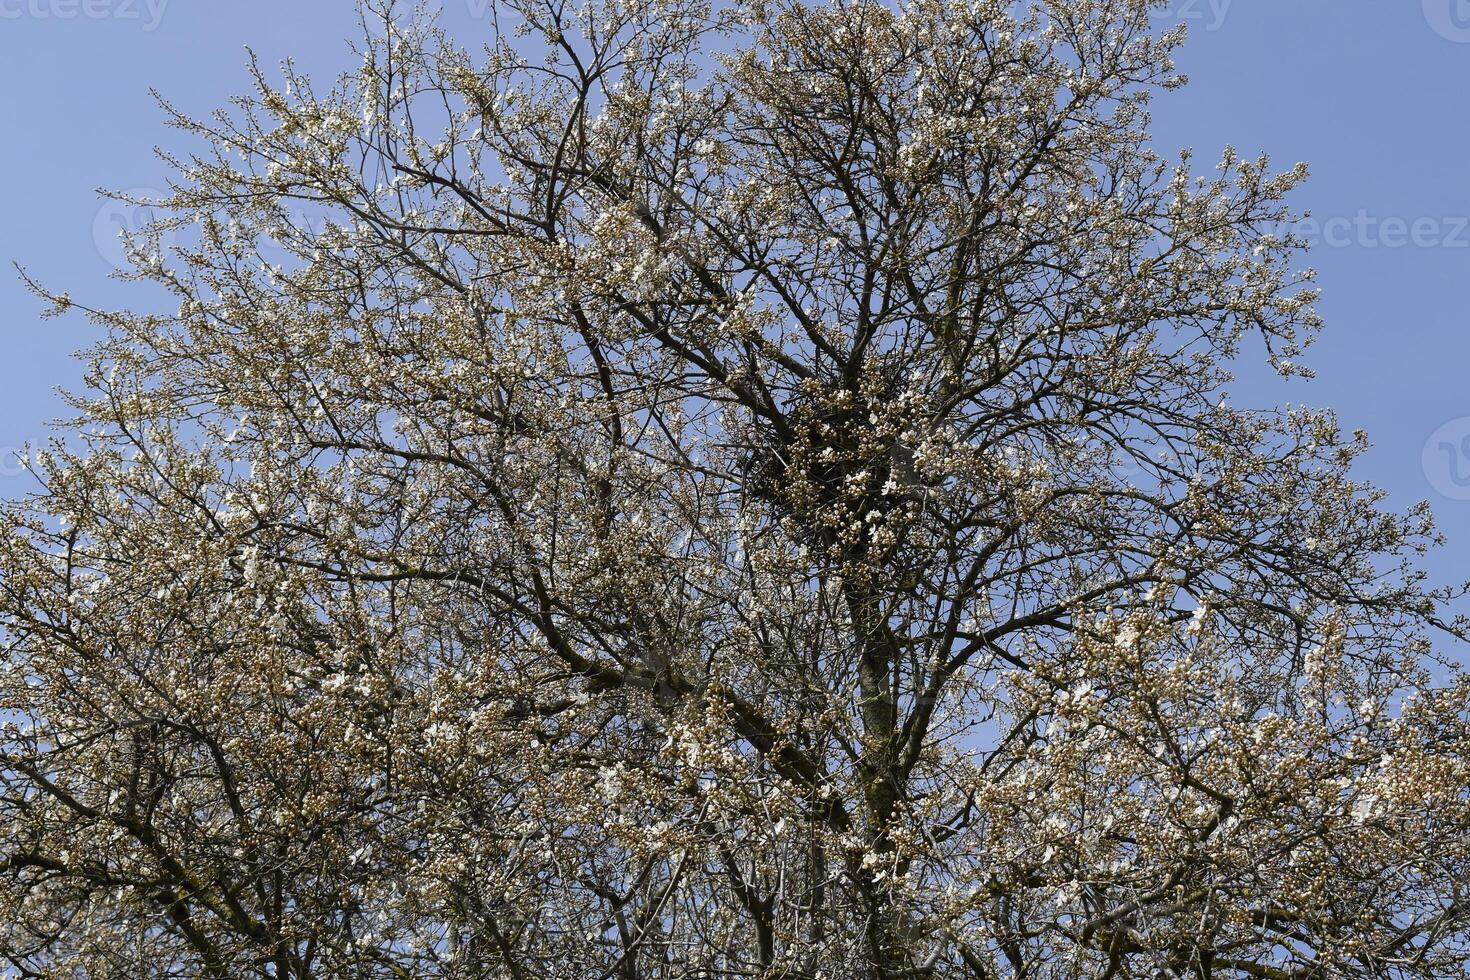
(1373, 93)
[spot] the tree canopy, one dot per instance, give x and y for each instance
(665, 490)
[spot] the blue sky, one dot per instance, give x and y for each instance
(1371, 92)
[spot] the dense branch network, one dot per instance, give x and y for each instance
(689, 492)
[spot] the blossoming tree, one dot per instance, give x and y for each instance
(720, 492)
